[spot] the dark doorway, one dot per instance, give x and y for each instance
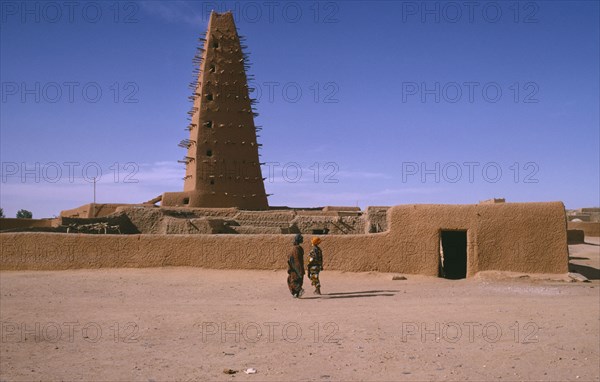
(453, 254)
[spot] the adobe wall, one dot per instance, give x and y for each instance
(11, 223)
(211, 199)
(517, 237)
(575, 236)
(589, 228)
(96, 210)
(376, 219)
(529, 237)
(341, 208)
(590, 214)
(152, 220)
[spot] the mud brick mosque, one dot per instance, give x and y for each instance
(222, 217)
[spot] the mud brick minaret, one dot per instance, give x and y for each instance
(222, 161)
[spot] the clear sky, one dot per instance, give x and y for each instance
(394, 102)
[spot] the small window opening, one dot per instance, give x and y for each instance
(186, 201)
(208, 124)
(209, 97)
(209, 153)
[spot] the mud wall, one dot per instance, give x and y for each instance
(575, 236)
(233, 220)
(589, 228)
(376, 219)
(11, 223)
(96, 210)
(515, 237)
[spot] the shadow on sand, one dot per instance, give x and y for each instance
(589, 272)
(363, 292)
(367, 293)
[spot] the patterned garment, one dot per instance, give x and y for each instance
(313, 275)
(296, 270)
(315, 265)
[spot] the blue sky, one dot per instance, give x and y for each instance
(393, 102)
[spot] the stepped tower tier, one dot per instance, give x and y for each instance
(222, 160)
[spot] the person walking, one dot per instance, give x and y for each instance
(315, 264)
(296, 268)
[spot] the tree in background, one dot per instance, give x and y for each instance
(24, 214)
(2, 213)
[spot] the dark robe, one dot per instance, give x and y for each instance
(296, 269)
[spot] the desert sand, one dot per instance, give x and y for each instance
(192, 324)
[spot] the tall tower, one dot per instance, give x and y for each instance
(222, 161)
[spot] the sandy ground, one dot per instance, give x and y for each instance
(191, 324)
